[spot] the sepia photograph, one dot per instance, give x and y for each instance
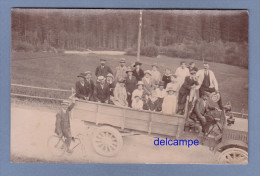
(129, 86)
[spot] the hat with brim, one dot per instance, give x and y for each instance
(155, 65)
(137, 63)
(65, 103)
(100, 78)
(140, 83)
(170, 89)
(192, 72)
(129, 70)
(110, 75)
(214, 96)
(173, 75)
(103, 60)
(122, 60)
(121, 81)
(88, 73)
(148, 72)
(81, 75)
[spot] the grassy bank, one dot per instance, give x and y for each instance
(56, 70)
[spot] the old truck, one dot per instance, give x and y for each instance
(108, 125)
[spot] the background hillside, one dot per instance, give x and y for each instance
(216, 35)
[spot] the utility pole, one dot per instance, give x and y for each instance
(139, 35)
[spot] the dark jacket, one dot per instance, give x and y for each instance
(186, 86)
(130, 85)
(139, 75)
(81, 91)
(103, 71)
(200, 110)
(89, 85)
(166, 80)
(62, 124)
(102, 94)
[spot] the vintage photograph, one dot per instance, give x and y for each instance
(129, 86)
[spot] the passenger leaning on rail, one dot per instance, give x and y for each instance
(81, 91)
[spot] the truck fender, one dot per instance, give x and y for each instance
(229, 144)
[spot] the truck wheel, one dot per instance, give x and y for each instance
(107, 141)
(233, 156)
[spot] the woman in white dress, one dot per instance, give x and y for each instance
(170, 101)
(120, 95)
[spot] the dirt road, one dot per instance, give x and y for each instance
(31, 128)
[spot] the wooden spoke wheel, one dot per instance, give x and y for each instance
(107, 141)
(233, 156)
(56, 145)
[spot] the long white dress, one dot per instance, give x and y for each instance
(169, 104)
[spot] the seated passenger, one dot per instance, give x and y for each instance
(151, 102)
(202, 107)
(81, 91)
(101, 91)
(139, 91)
(137, 103)
(120, 95)
(188, 86)
(111, 83)
(148, 82)
(170, 101)
(89, 84)
(161, 93)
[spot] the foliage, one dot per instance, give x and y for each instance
(150, 51)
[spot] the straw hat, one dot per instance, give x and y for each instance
(129, 69)
(122, 60)
(155, 64)
(140, 83)
(100, 78)
(110, 75)
(148, 72)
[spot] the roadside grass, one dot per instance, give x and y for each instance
(57, 70)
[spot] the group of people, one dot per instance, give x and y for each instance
(143, 90)
(131, 86)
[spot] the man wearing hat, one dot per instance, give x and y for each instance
(189, 85)
(81, 91)
(156, 75)
(182, 72)
(101, 91)
(103, 69)
(138, 72)
(202, 106)
(89, 84)
(62, 124)
(120, 70)
(208, 82)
